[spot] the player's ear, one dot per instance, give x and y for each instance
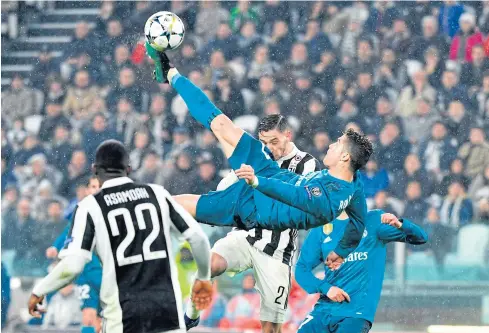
(288, 134)
(345, 157)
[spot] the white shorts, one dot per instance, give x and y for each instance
(272, 276)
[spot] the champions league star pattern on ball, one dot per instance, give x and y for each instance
(164, 31)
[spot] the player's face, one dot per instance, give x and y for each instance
(93, 186)
(336, 152)
(276, 141)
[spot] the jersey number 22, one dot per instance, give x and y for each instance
(131, 233)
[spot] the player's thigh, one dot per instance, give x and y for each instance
(88, 295)
(252, 152)
(235, 250)
(219, 207)
(313, 323)
(273, 280)
(349, 325)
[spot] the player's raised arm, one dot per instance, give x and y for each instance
(357, 211)
(309, 258)
(393, 229)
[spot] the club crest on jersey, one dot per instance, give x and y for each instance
(328, 228)
(316, 191)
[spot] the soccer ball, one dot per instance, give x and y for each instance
(164, 31)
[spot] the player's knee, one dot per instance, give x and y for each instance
(188, 202)
(218, 265)
(221, 123)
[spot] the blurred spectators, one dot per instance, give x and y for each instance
(18, 101)
(409, 96)
(467, 37)
(429, 38)
(98, 132)
(17, 231)
(479, 191)
(224, 41)
(414, 201)
(393, 148)
(374, 179)
(456, 173)
(475, 153)
(79, 97)
(36, 171)
(450, 12)
(438, 150)
(53, 118)
(242, 311)
(412, 172)
(456, 210)
(440, 236)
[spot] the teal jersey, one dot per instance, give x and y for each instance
(362, 273)
(286, 200)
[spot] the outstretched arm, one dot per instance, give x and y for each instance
(314, 200)
(393, 229)
(310, 257)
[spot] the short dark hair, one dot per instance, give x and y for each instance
(271, 122)
(360, 149)
(112, 157)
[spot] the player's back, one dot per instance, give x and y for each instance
(140, 290)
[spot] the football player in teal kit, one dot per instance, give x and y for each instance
(350, 295)
(276, 199)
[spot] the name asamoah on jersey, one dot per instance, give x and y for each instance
(125, 196)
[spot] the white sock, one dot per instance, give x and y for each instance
(192, 312)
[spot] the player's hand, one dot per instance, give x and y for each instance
(338, 295)
(247, 173)
(334, 261)
(34, 306)
(391, 220)
(51, 252)
(201, 294)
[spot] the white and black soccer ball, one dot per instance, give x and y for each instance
(164, 31)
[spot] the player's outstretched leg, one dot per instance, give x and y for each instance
(199, 105)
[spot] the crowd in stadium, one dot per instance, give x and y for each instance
(414, 77)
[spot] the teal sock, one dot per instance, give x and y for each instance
(199, 105)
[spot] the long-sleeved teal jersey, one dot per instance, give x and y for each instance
(362, 274)
(282, 199)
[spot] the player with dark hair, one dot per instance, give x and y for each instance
(268, 252)
(349, 296)
(129, 226)
(276, 199)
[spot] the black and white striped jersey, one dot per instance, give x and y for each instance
(282, 244)
(129, 225)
